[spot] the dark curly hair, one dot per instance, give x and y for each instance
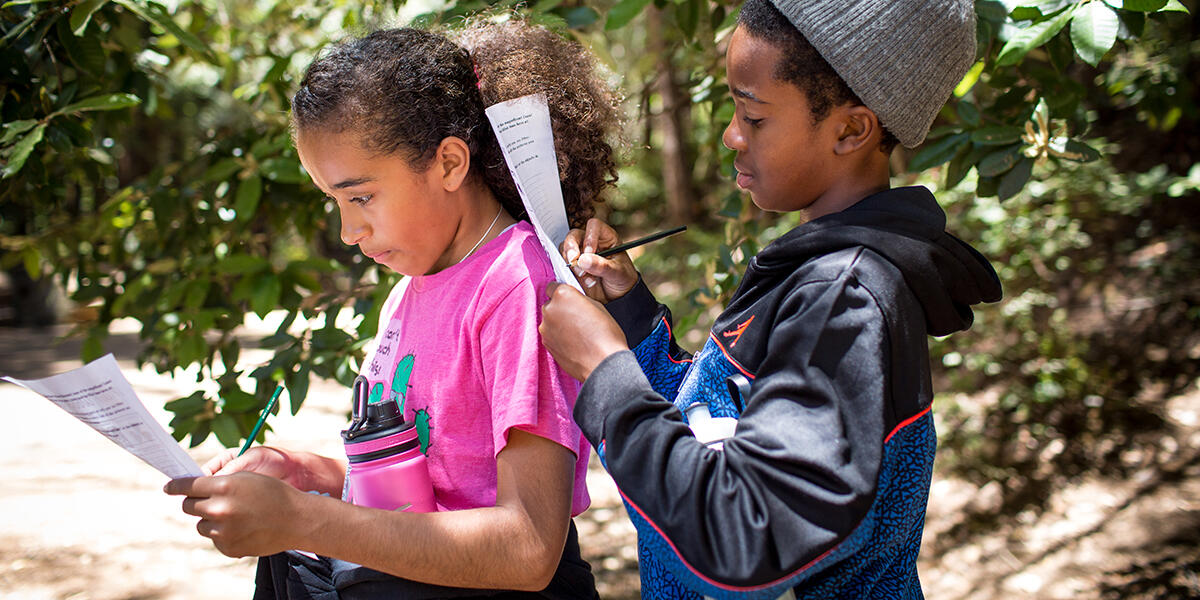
(801, 65)
(405, 90)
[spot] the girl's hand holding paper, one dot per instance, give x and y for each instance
(244, 514)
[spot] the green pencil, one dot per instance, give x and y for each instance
(262, 419)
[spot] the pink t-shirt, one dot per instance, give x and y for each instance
(460, 351)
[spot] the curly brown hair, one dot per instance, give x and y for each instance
(405, 90)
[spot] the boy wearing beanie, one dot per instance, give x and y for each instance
(819, 486)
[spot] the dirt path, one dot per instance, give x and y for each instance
(1098, 538)
(81, 519)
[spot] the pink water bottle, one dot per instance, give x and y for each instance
(387, 468)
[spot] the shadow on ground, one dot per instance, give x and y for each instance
(33, 352)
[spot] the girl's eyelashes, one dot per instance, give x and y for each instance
(360, 200)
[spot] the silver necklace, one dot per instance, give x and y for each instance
(485, 234)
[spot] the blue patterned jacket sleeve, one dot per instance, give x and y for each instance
(647, 327)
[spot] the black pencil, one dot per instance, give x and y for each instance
(640, 241)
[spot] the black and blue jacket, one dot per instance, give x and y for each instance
(822, 356)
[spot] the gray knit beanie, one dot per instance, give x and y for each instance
(902, 58)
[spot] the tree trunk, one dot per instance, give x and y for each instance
(672, 121)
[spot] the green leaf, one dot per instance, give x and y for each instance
(1094, 31)
(153, 12)
(1141, 5)
(268, 147)
(222, 170)
(200, 432)
(991, 10)
(15, 128)
(997, 135)
(187, 407)
(1031, 37)
(163, 266)
(32, 259)
(181, 426)
(226, 428)
(196, 293)
(191, 348)
(85, 51)
(1174, 6)
(297, 387)
(249, 192)
(579, 17)
(624, 12)
(1133, 24)
(985, 187)
(687, 15)
(969, 80)
(968, 112)
(283, 170)
(93, 346)
(938, 152)
(21, 151)
(1000, 161)
(102, 102)
(229, 354)
(237, 400)
(956, 170)
(1075, 151)
(81, 15)
(265, 297)
(304, 279)
(1034, 9)
(962, 164)
(12, 3)
(1015, 179)
(242, 264)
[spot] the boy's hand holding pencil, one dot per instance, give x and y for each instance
(599, 259)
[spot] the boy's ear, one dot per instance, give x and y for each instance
(452, 161)
(859, 128)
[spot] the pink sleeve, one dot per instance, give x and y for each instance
(528, 390)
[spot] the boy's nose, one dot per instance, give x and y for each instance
(732, 138)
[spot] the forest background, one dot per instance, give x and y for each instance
(147, 174)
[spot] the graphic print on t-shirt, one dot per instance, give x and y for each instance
(423, 426)
(400, 380)
(400, 385)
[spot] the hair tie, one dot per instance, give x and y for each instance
(478, 78)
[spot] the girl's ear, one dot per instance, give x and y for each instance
(452, 161)
(858, 127)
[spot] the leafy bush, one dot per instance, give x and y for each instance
(1098, 323)
(148, 169)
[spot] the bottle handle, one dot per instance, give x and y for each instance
(360, 390)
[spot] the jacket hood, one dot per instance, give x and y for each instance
(908, 228)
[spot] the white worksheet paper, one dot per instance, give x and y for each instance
(526, 138)
(100, 396)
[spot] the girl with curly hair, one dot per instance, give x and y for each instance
(392, 128)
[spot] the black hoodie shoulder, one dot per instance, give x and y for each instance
(907, 228)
